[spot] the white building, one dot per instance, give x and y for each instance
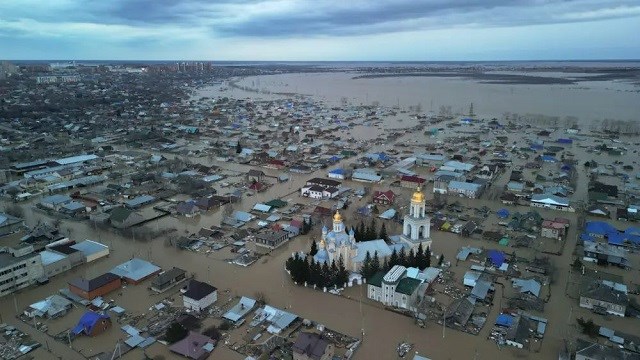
(199, 295)
(416, 228)
(394, 288)
(92, 250)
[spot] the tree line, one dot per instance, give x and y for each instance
(304, 270)
(420, 259)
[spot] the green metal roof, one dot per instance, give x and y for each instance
(376, 280)
(408, 285)
(276, 203)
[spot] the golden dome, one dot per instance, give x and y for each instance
(337, 217)
(418, 196)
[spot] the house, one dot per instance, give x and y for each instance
(412, 182)
(465, 189)
(187, 208)
(55, 202)
(366, 175)
(319, 192)
(136, 271)
(123, 218)
(384, 197)
(240, 310)
(275, 164)
(551, 202)
(255, 176)
(139, 201)
(52, 307)
(394, 288)
(277, 319)
(604, 296)
(199, 295)
(519, 332)
(457, 166)
(168, 279)
(92, 324)
(528, 286)
(194, 346)
(594, 351)
(312, 346)
(430, 159)
(508, 198)
(337, 174)
(553, 229)
(9, 224)
(441, 181)
(98, 286)
(459, 311)
(488, 172)
(605, 254)
(271, 240)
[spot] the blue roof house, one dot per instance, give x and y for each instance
(92, 324)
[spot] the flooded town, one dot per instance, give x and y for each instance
(203, 210)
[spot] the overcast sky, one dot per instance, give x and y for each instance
(319, 29)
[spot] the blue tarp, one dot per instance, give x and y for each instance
(565, 141)
(586, 237)
(504, 320)
(497, 257)
(600, 228)
(87, 322)
(503, 213)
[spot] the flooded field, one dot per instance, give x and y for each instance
(589, 101)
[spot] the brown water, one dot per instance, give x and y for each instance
(586, 100)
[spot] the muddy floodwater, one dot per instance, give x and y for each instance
(588, 100)
(351, 313)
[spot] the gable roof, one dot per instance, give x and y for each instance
(310, 344)
(88, 321)
(193, 346)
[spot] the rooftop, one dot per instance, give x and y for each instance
(135, 269)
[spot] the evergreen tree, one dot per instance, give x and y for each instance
(372, 231)
(375, 265)
(420, 262)
(385, 265)
(393, 259)
(315, 273)
(325, 275)
(343, 274)
(333, 274)
(441, 260)
(383, 232)
(361, 231)
(427, 258)
(366, 265)
(402, 258)
(314, 248)
(305, 270)
(238, 147)
(411, 259)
